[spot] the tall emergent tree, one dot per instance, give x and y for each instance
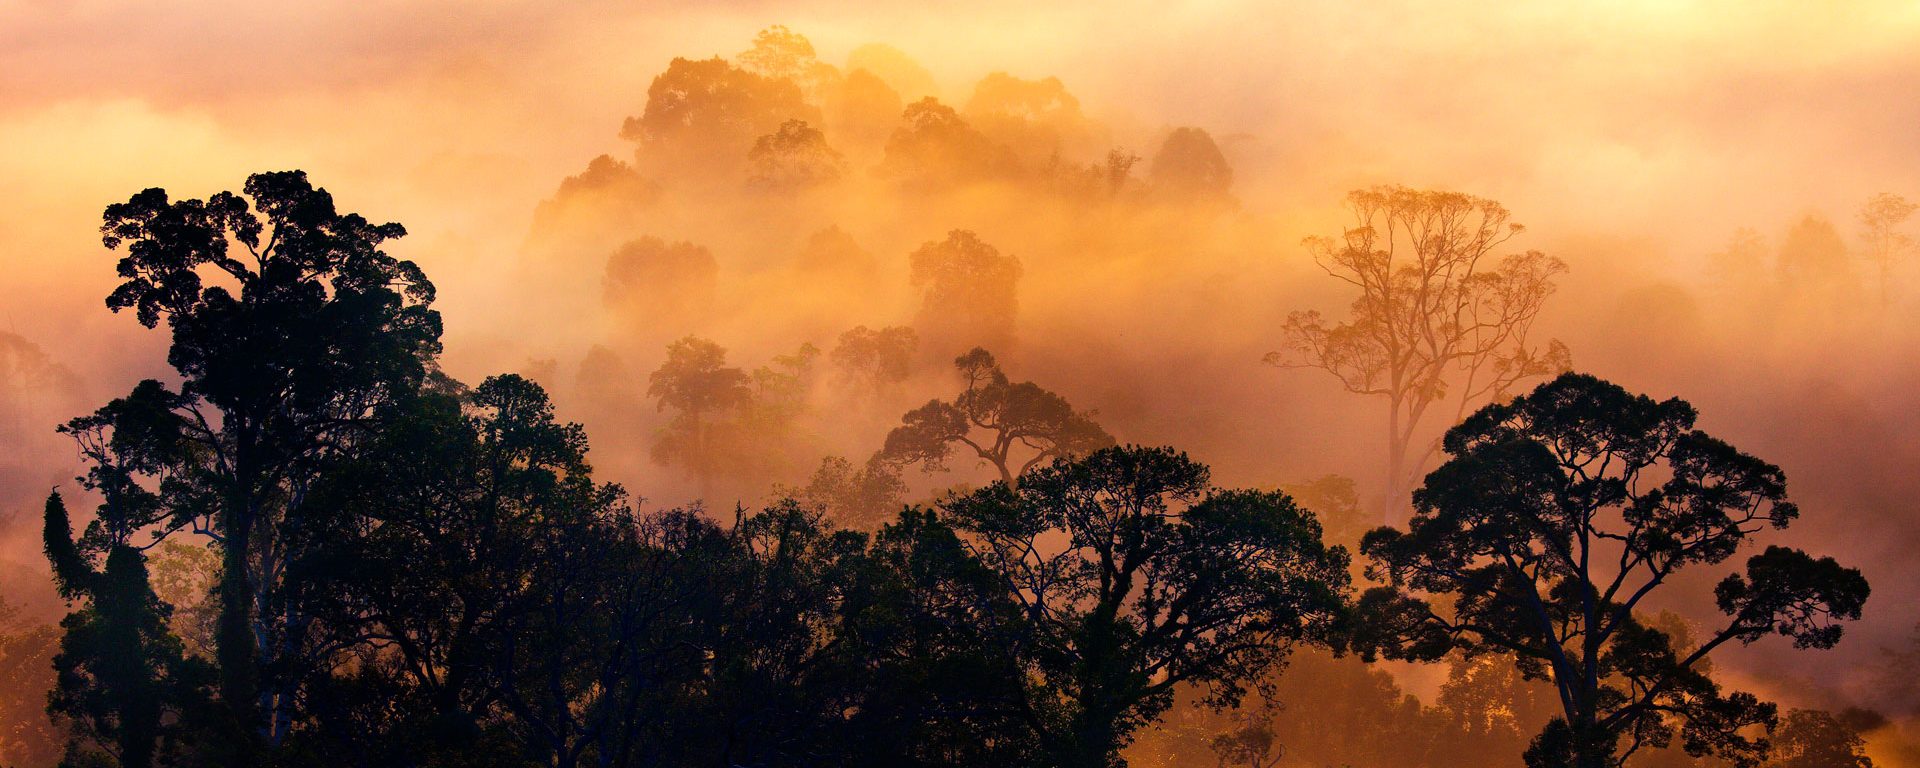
(1135, 576)
(291, 328)
(1439, 315)
(993, 416)
(1543, 536)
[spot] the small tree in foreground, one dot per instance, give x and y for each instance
(1556, 518)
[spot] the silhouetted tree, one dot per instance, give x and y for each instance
(452, 523)
(1133, 577)
(1880, 221)
(286, 353)
(122, 680)
(1189, 166)
(993, 416)
(1438, 315)
(1815, 739)
(794, 157)
(1555, 518)
(968, 293)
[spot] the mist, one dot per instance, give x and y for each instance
(1633, 141)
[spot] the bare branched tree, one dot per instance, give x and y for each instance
(1439, 317)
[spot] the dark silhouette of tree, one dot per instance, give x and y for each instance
(934, 148)
(994, 417)
(1555, 518)
(122, 681)
(875, 361)
(1880, 221)
(660, 281)
(969, 294)
(1189, 166)
(1810, 738)
(1133, 576)
(290, 329)
(1438, 315)
(454, 523)
(707, 395)
(706, 114)
(792, 158)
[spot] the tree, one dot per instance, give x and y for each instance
(122, 680)
(1815, 739)
(861, 111)
(1189, 166)
(27, 735)
(707, 113)
(1438, 315)
(876, 361)
(1813, 260)
(779, 53)
(993, 416)
(660, 281)
(1251, 745)
(794, 157)
(696, 381)
(1133, 576)
(969, 293)
(1880, 221)
(862, 497)
(934, 148)
(1554, 519)
(1037, 119)
(286, 355)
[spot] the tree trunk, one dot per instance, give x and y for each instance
(233, 639)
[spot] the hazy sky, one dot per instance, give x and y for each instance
(1631, 137)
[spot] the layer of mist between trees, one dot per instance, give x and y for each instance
(881, 303)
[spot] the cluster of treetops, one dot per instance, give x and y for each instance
(401, 569)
